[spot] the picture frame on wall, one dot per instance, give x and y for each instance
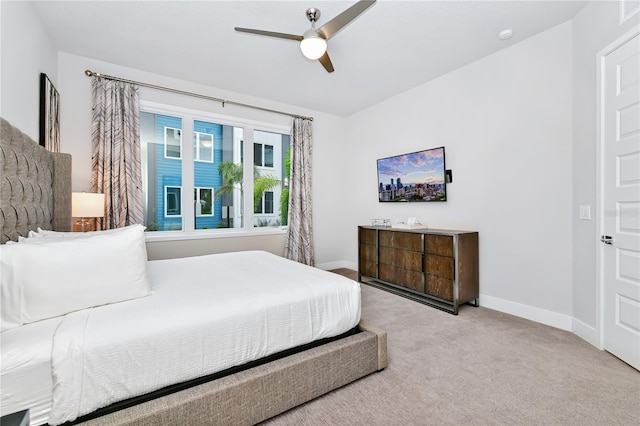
(49, 115)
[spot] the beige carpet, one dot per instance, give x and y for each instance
(480, 367)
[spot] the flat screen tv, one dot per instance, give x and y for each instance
(418, 176)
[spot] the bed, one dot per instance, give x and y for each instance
(200, 344)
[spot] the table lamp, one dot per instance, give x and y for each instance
(86, 205)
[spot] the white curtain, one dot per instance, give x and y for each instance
(116, 168)
(299, 244)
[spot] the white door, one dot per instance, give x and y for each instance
(620, 215)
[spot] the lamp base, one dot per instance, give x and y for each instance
(84, 225)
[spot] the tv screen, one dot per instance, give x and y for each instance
(418, 176)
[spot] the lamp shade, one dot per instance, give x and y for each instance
(313, 45)
(87, 204)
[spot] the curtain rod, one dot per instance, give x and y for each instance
(90, 73)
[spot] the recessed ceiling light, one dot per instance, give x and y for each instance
(505, 34)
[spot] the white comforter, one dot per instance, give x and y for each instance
(208, 313)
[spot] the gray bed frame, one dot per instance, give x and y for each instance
(35, 191)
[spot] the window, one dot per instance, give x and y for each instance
(257, 154)
(172, 203)
(203, 198)
(203, 147)
(268, 202)
(268, 156)
(263, 155)
(214, 171)
(271, 176)
(172, 143)
(265, 205)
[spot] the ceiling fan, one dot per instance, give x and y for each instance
(313, 43)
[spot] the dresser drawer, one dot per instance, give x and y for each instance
(441, 245)
(404, 240)
(402, 277)
(439, 287)
(401, 259)
(367, 236)
(368, 268)
(440, 266)
(368, 252)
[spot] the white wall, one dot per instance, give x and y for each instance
(26, 52)
(595, 27)
(505, 122)
(75, 89)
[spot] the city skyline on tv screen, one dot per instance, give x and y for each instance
(417, 176)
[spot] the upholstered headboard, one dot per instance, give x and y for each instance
(35, 186)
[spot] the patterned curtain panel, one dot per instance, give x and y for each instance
(299, 244)
(115, 134)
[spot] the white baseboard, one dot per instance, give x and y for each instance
(586, 332)
(554, 319)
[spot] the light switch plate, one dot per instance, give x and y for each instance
(585, 213)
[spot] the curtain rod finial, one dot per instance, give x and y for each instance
(88, 73)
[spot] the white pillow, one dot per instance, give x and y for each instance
(44, 233)
(59, 276)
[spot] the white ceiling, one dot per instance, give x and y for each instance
(392, 47)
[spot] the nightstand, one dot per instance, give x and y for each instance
(21, 418)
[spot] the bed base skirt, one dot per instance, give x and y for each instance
(259, 393)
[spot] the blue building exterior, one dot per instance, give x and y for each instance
(165, 174)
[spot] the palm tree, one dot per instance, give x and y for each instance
(262, 184)
(231, 175)
(233, 178)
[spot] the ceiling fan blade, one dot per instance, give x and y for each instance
(270, 33)
(326, 62)
(329, 29)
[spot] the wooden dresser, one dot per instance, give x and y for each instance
(433, 266)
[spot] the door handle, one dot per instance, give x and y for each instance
(607, 239)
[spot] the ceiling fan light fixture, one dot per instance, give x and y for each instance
(313, 46)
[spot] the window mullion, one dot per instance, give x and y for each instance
(248, 177)
(188, 205)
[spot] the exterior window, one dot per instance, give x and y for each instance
(268, 202)
(213, 157)
(203, 198)
(268, 156)
(172, 201)
(257, 154)
(263, 155)
(271, 178)
(203, 147)
(265, 204)
(172, 143)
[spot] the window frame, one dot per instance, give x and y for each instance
(166, 145)
(197, 190)
(263, 155)
(166, 201)
(197, 147)
(263, 205)
(249, 126)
